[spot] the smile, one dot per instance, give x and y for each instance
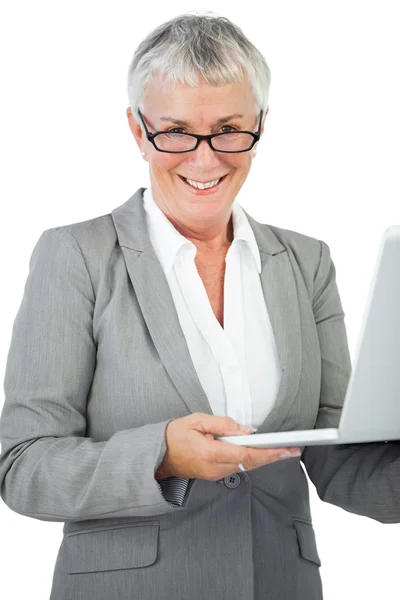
(199, 187)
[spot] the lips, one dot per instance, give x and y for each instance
(220, 178)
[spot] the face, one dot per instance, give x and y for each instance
(201, 107)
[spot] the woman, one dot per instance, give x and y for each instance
(144, 333)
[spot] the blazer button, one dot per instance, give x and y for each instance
(232, 481)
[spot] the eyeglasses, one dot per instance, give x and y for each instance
(232, 141)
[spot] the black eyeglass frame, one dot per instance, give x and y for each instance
(151, 136)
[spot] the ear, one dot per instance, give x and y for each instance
(136, 129)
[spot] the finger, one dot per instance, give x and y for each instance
(227, 453)
(279, 453)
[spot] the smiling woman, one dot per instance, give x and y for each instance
(145, 333)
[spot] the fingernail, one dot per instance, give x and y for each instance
(290, 454)
(246, 429)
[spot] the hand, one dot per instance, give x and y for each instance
(192, 451)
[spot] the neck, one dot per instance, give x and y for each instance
(211, 239)
(213, 244)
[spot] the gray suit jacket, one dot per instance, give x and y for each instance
(97, 367)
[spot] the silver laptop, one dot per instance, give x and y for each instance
(371, 409)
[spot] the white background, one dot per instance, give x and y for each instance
(327, 166)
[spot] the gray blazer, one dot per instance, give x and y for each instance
(97, 367)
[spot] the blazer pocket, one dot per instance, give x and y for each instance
(306, 539)
(109, 549)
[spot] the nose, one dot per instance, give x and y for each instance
(204, 156)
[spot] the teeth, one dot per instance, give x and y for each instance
(203, 186)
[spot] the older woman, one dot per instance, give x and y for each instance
(144, 333)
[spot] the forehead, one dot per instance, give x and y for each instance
(203, 103)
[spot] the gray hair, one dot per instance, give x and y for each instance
(189, 45)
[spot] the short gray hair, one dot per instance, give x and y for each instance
(189, 45)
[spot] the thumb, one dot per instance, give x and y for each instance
(235, 428)
(221, 426)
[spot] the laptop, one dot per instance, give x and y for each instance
(371, 409)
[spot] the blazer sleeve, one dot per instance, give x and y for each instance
(360, 478)
(49, 469)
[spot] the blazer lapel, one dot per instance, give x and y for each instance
(159, 312)
(280, 294)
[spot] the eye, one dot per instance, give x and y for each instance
(230, 127)
(175, 130)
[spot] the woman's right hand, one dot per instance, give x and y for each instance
(192, 452)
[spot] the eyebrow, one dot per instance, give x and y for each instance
(185, 123)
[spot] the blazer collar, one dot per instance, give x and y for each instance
(159, 312)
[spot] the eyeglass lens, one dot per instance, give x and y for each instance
(231, 142)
